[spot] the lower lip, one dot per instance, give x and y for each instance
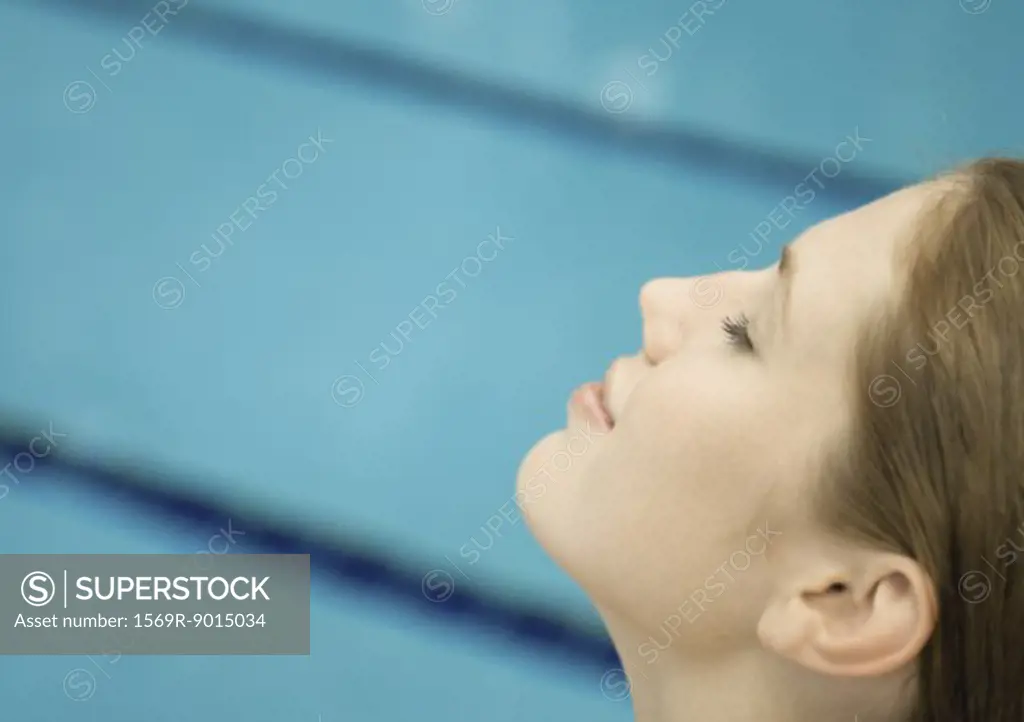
(589, 400)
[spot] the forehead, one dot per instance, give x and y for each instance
(880, 227)
(847, 265)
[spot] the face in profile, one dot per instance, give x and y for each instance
(679, 493)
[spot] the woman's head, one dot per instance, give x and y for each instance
(814, 478)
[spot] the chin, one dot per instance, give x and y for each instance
(549, 486)
(532, 478)
(551, 474)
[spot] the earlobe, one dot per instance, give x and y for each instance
(863, 621)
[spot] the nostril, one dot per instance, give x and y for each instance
(662, 337)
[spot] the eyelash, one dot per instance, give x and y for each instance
(737, 332)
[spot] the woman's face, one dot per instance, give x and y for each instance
(682, 512)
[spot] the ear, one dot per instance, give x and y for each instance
(863, 620)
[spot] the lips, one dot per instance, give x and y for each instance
(589, 400)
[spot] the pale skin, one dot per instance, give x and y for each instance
(688, 522)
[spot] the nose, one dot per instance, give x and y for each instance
(662, 302)
(671, 306)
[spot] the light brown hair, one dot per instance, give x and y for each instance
(934, 466)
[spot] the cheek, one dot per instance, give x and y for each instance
(703, 420)
(692, 446)
(683, 479)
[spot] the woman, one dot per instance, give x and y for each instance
(802, 499)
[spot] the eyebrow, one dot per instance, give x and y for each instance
(787, 267)
(785, 261)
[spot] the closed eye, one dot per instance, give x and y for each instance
(737, 332)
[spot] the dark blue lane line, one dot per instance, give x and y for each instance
(344, 60)
(392, 575)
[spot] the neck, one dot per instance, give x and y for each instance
(679, 684)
